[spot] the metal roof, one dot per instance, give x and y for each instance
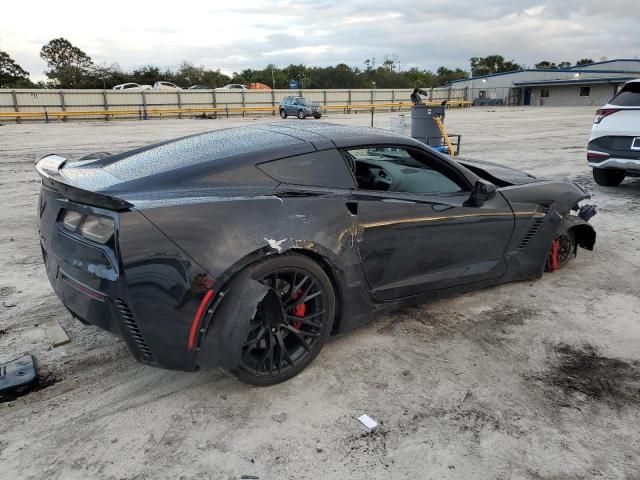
(577, 81)
(556, 70)
(607, 61)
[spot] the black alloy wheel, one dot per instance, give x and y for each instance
(292, 322)
(566, 247)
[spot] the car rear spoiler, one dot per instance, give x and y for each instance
(49, 168)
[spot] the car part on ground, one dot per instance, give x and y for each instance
(203, 239)
(17, 376)
(614, 145)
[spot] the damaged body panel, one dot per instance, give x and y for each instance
(245, 248)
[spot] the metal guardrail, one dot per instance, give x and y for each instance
(144, 112)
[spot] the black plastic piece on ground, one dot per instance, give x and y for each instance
(17, 373)
(587, 211)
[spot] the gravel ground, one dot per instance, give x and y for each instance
(533, 380)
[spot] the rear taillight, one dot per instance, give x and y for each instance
(94, 228)
(97, 229)
(593, 155)
(603, 112)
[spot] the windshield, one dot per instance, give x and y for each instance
(304, 101)
(629, 96)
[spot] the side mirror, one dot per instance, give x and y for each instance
(481, 192)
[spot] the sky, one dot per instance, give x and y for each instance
(232, 36)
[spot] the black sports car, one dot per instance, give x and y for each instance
(246, 248)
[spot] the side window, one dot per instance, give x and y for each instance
(325, 168)
(398, 169)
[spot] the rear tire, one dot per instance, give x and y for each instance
(283, 113)
(291, 324)
(608, 177)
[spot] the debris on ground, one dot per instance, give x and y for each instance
(55, 333)
(367, 421)
(17, 376)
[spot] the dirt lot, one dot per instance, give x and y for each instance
(533, 380)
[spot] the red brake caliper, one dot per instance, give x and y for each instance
(552, 259)
(299, 310)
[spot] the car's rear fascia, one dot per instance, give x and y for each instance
(612, 137)
(138, 285)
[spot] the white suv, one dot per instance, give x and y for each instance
(614, 145)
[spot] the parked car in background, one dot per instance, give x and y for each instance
(614, 146)
(300, 107)
(199, 87)
(163, 85)
(132, 87)
(234, 86)
(487, 102)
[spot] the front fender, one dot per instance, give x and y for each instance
(563, 196)
(585, 234)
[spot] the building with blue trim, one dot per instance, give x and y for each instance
(592, 84)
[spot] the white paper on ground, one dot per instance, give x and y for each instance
(367, 421)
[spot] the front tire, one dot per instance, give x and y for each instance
(301, 115)
(608, 177)
(566, 248)
(292, 322)
(317, 116)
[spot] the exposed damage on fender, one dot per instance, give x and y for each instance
(246, 248)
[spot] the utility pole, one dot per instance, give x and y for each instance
(373, 98)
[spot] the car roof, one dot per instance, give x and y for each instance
(233, 148)
(221, 157)
(336, 134)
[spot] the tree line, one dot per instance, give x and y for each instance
(70, 67)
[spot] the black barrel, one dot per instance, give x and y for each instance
(423, 126)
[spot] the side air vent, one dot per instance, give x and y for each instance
(134, 332)
(539, 218)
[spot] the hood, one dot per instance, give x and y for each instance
(499, 175)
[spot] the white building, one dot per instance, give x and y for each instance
(592, 84)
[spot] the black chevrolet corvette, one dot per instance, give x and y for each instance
(246, 248)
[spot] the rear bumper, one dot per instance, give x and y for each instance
(138, 286)
(629, 165)
(613, 152)
(98, 302)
